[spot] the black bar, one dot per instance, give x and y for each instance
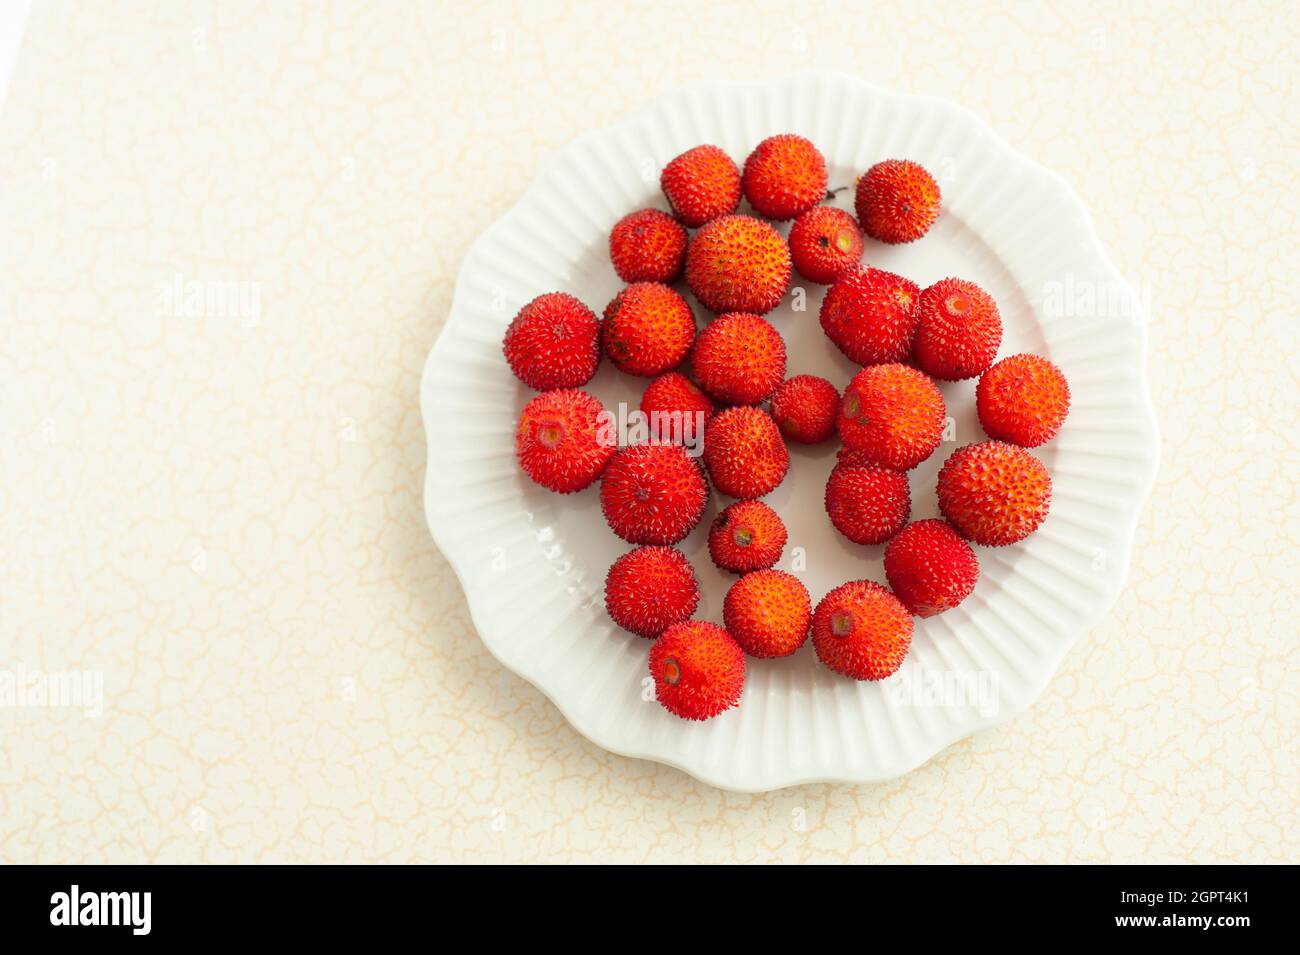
(333, 905)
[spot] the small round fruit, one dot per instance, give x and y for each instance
(825, 244)
(861, 630)
(561, 440)
(866, 503)
(768, 613)
(805, 407)
(648, 329)
(649, 589)
(739, 359)
(648, 246)
(676, 409)
(744, 452)
(784, 176)
(745, 536)
(701, 184)
(930, 568)
(994, 493)
(554, 342)
(698, 669)
(893, 415)
(738, 264)
(958, 330)
(653, 493)
(897, 201)
(1023, 400)
(870, 315)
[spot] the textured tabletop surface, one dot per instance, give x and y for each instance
(212, 504)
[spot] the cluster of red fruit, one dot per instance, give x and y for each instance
(889, 418)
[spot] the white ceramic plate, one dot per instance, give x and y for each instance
(533, 563)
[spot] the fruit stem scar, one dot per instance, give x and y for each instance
(550, 433)
(672, 672)
(841, 623)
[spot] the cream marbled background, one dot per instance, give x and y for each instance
(224, 515)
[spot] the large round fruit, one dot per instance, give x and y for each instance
(738, 264)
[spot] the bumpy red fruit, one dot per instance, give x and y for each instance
(561, 440)
(897, 201)
(745, 536)
(744, 452)
(701, 184)
(868, 504)
(1022, 400)
(784, 176)
(825, 244)
(648, 246)
(738, 264)
(805, 407)
(893, 415)
(870, 315)
(768, 613)
(739, 359)
(698, 669)
(676, 409)
(653, 494)
(649, 589)
(648, 329)
(862, 631)
(958, 330)
(930, 568)
(554, 342)
(994, 493)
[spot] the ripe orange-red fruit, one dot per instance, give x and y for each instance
(994, 493)
(893, 415)
(744, 452)
(825, 244)
(739, 359)
(554, 342)
(738, 264)
(1022, 400)
(653, 493)
(698, 669)
(868, 504)
(784, 176)
(676, 408)
(648, 246)
(805, 407)
(768, 613)
(649, 589)
(560, 440)
(897, 201)
(648, 329)
(701, 184)
(930, 568)
(861, 630)
(958, 330)
(745, 536)
(870, 315)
